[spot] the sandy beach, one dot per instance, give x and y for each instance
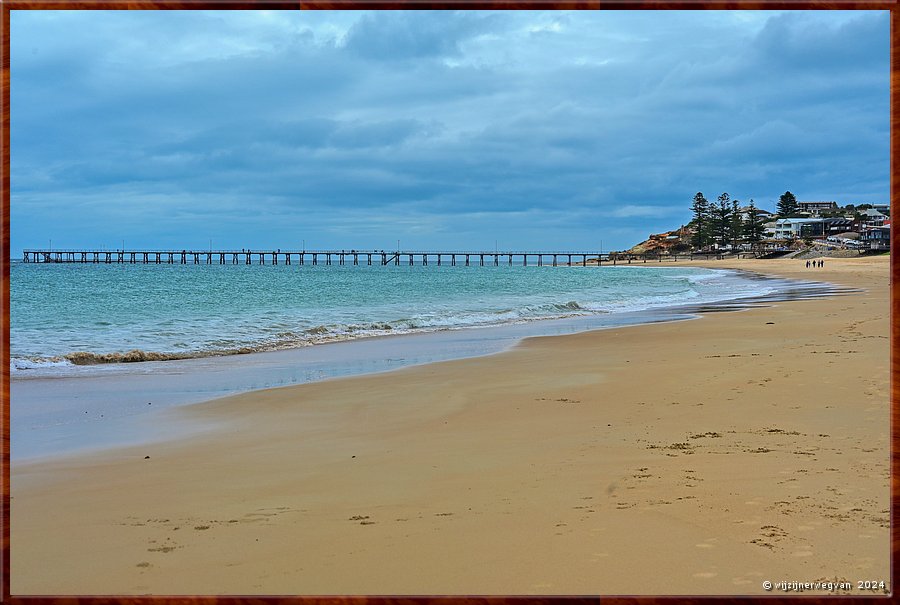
(694, 457)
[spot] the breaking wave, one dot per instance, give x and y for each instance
(319, 334)
(270, 311)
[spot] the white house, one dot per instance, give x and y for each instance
(816, 207)
(872, 217)
(793, 228)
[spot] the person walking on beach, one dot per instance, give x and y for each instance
(821, 262)
(807, 264)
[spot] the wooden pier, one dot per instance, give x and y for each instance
(348, 257)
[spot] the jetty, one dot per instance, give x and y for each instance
(347, 257)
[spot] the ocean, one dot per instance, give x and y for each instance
(206, 331)
(81, 315)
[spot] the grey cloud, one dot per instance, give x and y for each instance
(470, 123)
(390, 36)
(800, 43)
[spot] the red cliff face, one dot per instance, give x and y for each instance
(663, 242)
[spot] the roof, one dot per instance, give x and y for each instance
(794, 221)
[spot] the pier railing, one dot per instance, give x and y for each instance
(353, 257)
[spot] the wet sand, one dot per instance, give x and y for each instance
(696, 457)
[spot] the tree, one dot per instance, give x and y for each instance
(702, 223)
(753, 226)
(736, 227)
(787, 205)
(722, 220)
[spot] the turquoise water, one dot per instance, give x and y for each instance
(195, 318)
(65, 315)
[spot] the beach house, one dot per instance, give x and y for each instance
(815, 208)
(794, 228)
(876, 238)
(837, 225)
(872, 217)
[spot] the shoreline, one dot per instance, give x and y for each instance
(116, 397)
(74, 363)
(551, 468)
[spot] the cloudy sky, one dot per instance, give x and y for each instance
(537, 130)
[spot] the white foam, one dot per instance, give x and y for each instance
(21, 364)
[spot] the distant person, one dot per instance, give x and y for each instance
(822, 262)
(807, 264)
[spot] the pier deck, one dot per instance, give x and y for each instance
(344, 257)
